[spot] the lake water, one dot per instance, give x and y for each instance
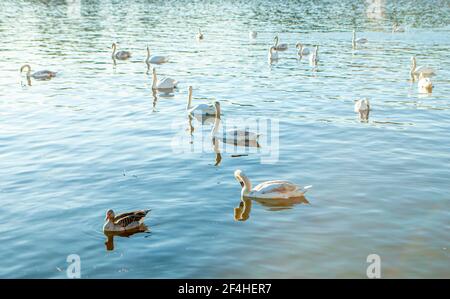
(95, 138)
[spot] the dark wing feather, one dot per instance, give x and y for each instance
(127, 218)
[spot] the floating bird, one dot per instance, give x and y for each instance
(279, 47)
(155, 59)
(302, 51)
(314, 57)
(272, 190)
(121, 55)
(164, 84)
(199, 34)
(273, 55)
(355, 41)
(252, 34)
(125, 221)
(236, 137)
(363, 108)
(40, 75)
(416, 71)
(200, 109)
(425, 85)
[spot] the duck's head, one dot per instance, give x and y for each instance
(110, 215)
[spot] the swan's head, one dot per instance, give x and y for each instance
(110, 215)
(113, 46)
(238, 174)
(243, 180)
(298, 45)
(26, 66)
(413, 61)
(190, 90)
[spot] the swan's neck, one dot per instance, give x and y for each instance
(276, 41)
(148, 55)
(113, 50)
(154, 80)
(413, 69)
(215, 128)
(354, 40)
(247, 185)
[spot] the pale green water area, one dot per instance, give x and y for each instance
(96, 138)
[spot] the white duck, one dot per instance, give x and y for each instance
(164, 84)
(279, 47)
(425, 85)
(155, 59)
(236, 137)
(40, 75)
(363, 108)
(200, 109)
(121, 55)
(199, 34)
(415, 71)
(314, 57)
(125, 221)
(270, 189)
(356, 41)
(302, 51)
(273, 55)
(252, 34)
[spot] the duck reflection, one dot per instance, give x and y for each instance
(242, 212)
(109, 243)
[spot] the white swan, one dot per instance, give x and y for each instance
(279, 47)
(199, 34)
(252, 34)
(416, 71)
(236, 137)
(314, 57)
(360, 40)
(155, 59)
(121, 55)
(302, 51)
(165, 83)
(40, 75)
(425, 85)
(125, 221)
(273, 55)
(200, 109)
(270, 189)
(363, 108)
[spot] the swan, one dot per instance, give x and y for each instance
(252, 34)
(155, 59)
(233, 136)
(416, 71)
(270, 189)
(202, 109)
(125, 221)
(273, 55)
(302, 51)
(363, 108)
(39, 75)
(355, 41)
(314, 57)
(425, 85)
(199, 34)
(279, 47)
(121, 55)
(165, 83)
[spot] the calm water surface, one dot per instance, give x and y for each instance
(95, 138)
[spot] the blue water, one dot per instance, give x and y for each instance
(95, 138)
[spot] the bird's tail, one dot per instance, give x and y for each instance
(147, 211)
(306, 188)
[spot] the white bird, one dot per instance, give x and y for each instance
(273, 55)
(121, 55)
(164, 84)
(314, 57)
(155, 59)
(302, 51)
(279, 47)
(269, 190)
(363, 108)
(234, 136)
(252, 34)
(416, 71)
(199, 34)
(355, 41)
(125, 221)
(200, 109)
(40, 75)
(425, 85)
